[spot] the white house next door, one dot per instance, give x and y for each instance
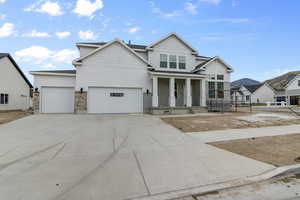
(115, 100)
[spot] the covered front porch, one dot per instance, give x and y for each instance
(177, 92)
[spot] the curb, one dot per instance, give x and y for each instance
(197, 191)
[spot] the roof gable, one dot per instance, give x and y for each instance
(201, 66)
(4, 55)
(78, 60)
(279, 83)
(169, 36)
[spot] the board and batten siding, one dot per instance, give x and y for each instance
(12, 83)
(264, 94)
(113, 66)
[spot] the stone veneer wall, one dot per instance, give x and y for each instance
(80, 102)
(36, 102)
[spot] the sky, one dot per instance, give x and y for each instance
(260, 39)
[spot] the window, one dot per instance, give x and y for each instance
(211, 90)
(3, 98)
(212, 77)
(163, 60)
(173, 61)
(182, 64)
(220, 90)
(220, 77)
(247, 97)
(299, 83)
(117, 94)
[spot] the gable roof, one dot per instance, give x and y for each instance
(252, 88)
(202, 65)
(78, 60)
(172, 35)
(279, 83)
(3, 55)
(132, 46)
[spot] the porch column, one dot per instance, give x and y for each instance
(154, 91)
(188, 92)
(203, 93)
(172, 92)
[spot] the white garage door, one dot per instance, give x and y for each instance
(57, 100)
(115, 100)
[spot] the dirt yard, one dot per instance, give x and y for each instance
(276, 150)
(217, 121)
(6, 117)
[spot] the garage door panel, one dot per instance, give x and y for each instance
(115, 100)
(57, 100)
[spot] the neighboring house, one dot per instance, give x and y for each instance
(244, 81)
(114, 77)
(15, 89)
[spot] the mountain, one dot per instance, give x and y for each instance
(243, 81)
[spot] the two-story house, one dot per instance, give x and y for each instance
(168, 75)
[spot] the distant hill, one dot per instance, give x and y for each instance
(243, 81)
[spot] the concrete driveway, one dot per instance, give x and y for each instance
(80, 157)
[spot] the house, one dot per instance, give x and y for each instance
(15, 89)
(168, 75)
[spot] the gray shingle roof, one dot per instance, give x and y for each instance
(279, 83)
(253, 88)
(133, 46)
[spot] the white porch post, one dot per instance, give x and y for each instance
(154, 91)
(203, 93)
(172, 92)
(188, 92)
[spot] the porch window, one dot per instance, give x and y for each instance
(211, 90)
(173, 61)
(182, 62)
(3, 98)
(220, 90)
(163, 60)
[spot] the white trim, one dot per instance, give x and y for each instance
(97, 46)
(229, 68)
(77, 61)
(51, 74)
(161, 74)
(150, 47)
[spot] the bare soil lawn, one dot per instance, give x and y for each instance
(276, 150)
(217, 121)
(9, 116)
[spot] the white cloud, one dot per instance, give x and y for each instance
(87, 8)
(62, 35)
(156, 10)
(227, 20)
(134, 30)
(49, 7)
(36, 34)
(44, 57)
(190, 8)
(215, 2)
(2, 1)
(7, 29)
(87, 35)
(2, 16)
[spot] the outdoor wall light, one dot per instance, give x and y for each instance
(147, 91)
(81, 90)
(36, 89)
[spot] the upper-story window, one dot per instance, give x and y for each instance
(182, 62)
(3, 98)
(299, 83)
(212, 77)
(172, 61)
(163, 60)
(220, 77)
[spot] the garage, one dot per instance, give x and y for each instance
(57, 100)
(115, 100)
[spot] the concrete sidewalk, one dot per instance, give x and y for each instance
(234, 134)
(108, 157)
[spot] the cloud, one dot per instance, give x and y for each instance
(227, 20)
(134, 30)
(49, 7)
(7, 29)
(190, 8)
(62, 35)
(87, 35)
(215, 2)
(87, 8)
(36, 34)
(44, 57)
(2, 1)
(156, 10)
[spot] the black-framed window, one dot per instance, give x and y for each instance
(211, 90)
(163, 60)
(3, 98)
(173, 61)
(299, 83)
(220, 86)
(220, 77)
(182, 62)
(115, 94)
(247, 97)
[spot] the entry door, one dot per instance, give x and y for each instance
(57, 100)
(115, 100)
